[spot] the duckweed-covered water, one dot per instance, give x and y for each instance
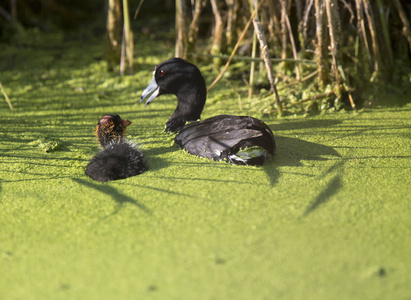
(329, 217)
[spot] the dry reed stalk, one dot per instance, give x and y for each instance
(351, 101)
(138, 9)
(253, 6)
(258, 59)
(299, 8)
(268, 65)
(361, 28)
(123, 54)
(230, 20)
(218, 28)
(304, 21)
(291, 37)
(348, 7)
(319, 44)
(6, 96)
(180, 28)
(373, 33)
(386, 34)
(128, 44)
(193, 29)
(233, 52)
(404, 20)
(113, 26)
(309, 76)
(332, 17)
(274, 26)
(283, 29)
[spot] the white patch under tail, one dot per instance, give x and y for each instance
(244, 156)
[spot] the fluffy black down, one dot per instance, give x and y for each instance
(116, 161)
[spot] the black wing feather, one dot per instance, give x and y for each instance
(224, 135)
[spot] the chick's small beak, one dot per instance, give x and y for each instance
(152, 87)
(126, 123)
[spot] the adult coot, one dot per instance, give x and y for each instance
(237, 139)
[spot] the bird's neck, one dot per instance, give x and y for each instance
(190, 104)
(107, 138)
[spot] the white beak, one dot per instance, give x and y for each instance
(150, 88)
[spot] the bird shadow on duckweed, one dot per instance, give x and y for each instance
(291, 152)
(325, 195)
(116, 195)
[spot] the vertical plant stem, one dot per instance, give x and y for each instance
(351, 100)
(305, 20)
(361, 28)
(386, 33)
(356, 50)
(138, 9)
(230, 21)
(128, 34)
(217, 79)
(373, 33)
(405, 23)
(332, 17)
(218, 32)
(319, 45)
(274, 28)
(283, 30)
(253, 6)
(193, 29)
(299, 8)
(123, 54)
(291, 37)
(180, 28)
(6, 97)
(113, 27)
(268, 65)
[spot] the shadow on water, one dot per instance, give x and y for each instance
(117, 196)
(161, 190)
(331, 189)
(291, 152)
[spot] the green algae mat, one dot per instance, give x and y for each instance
(329, 217)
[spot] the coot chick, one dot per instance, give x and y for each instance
(119, 158)
(237, 139)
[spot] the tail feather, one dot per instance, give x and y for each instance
(249, 157)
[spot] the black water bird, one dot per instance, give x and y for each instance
(237, 139)
(119, 158)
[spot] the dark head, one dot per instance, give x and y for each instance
(111, 129)
(183, 79)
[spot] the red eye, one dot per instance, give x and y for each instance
(162, 73)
